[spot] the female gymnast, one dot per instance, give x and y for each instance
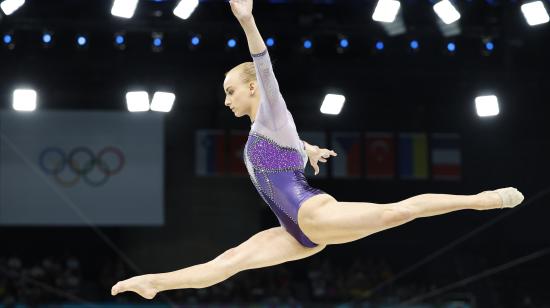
(275, 157)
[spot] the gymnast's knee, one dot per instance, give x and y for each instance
(396, 215)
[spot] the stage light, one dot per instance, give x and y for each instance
(344, 43)
(157, 41)
(137, 101)
(414, 45)
(119, 40)
(386, 10)
(535, 13)
(270, 42)
(195, 40)
(24, 100)
(10, 6)
(163, 101)
(446, 11)
(308, 44)
(7, 39)
(231, 43)
(489, 46)
(379, 45)
(451, 47)
(332, 104)
(124, 8)
(47, 38)
(81, 40)
(185, 8)
(487, 105)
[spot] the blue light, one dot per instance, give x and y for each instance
(307, 44)
(195, 40)
(119, 39)
(81, 40)
(451, 47)
(7, 39)
(270, 42)
(231, 43)
(414, 44)
(46, 38)
(490, 46)
(157, 42)
(380, 45)
(344, 43)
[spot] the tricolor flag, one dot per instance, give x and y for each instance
(348, 162)
(413, 156)
(379, 155)
(319, 139)
(237, 140)
(446, 156)
(209, 152)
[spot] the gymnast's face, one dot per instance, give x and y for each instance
(239, 95)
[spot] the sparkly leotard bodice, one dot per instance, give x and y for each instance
(274, 154)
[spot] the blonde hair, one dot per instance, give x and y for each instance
(247, 71)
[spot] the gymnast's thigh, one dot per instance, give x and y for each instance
(266, 248)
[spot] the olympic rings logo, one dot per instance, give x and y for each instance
(81, 162)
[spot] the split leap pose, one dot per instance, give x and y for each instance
(275, 158)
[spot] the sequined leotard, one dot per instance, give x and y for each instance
(274, 154)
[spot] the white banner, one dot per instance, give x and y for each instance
(80, 168)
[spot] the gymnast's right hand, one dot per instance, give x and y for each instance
(242, 9)
(141, 285)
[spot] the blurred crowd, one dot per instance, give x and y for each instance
(323, 280)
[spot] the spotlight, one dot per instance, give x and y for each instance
(124, 8)
(81, 41)
(487, 105)
(231, 43)
(157, 41)
(489, 46)
(195, 40)
(47, 39)
(7, 39)
(451, 47)
(535, 13)
(120, 40)
(24, 100)
(386, 10)
(414, 45)
(185, 8)
(10, 6)
(163, 101)
(332, 104)
(446, 11)
(308, 44)
(270, 42)
(379, 45)
(344, 43)
(137, 101)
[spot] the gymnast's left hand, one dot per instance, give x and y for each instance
(142, 285)
(317, 154)
(242, 9)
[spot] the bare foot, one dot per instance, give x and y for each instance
(141, 285)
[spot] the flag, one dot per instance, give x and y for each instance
(348, 162)
(209, 152)
(380, 155)
(446, 156)
(413, 156)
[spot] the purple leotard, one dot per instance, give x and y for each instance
(274, 154)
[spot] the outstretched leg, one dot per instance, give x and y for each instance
(327, 221)
(266, 248)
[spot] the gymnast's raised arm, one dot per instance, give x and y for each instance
(272, 112)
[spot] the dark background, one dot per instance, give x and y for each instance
(394, 90)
